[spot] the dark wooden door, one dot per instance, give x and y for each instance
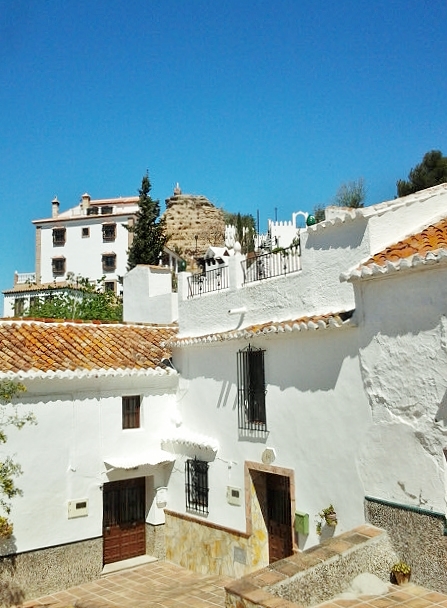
(279, 517)
(124, 519)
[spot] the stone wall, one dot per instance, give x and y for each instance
(418, 537)
(155, 541)
(48, 570)
(207, 548)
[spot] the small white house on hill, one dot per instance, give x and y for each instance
(94, 472)
(320, 384)
(314, 377)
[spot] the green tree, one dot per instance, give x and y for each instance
(9, 469)
(245, 229)
(351, 194)
(318, 213)
(81, 300)
(430, 172)
(149, 230)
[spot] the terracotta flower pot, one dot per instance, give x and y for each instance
(402, 577)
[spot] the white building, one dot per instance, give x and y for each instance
(312, 393)
(94, 474)
(90, 240)
(321, 382)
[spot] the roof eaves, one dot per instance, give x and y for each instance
(368, 271)
(330, 321)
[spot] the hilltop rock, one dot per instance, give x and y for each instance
(188, 216)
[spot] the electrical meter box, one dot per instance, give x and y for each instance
(234, 496)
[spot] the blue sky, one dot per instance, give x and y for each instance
(252, 103)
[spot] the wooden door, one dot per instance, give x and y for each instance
(279, 517)
(124, 533)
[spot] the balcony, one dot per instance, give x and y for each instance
(209, 281)
(22, 278)
(259, 266)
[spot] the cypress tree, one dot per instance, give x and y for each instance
(149, 230)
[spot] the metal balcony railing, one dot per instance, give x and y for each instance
(211, 280)
(271, 264)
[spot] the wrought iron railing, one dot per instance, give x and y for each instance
(275, 263)
(211, 280)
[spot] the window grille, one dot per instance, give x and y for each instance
(251, 389)
(19, 307)
(196, 485)
(58, 265)
(108, 262)
(131, 412)
(59, 236)
(109, 232)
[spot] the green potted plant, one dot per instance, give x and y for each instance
(401, 572)
(327, 516)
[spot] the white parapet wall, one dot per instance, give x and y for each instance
(148, 296)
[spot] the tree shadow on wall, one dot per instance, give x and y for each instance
(11, 594)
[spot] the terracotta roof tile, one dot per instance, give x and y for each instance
(41, 347)
(432, 238)
(427, 247)
(326, 321)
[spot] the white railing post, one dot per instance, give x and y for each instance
(182, 285)
(235, 270)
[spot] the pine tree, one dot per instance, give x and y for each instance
(430, 172)
(149, 231)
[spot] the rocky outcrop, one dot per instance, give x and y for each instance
(193, 224)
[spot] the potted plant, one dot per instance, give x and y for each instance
(327, 516)
(401, 573)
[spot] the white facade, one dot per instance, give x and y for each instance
(78, 433)
(354, 357)
(355, 407)
(90, 240)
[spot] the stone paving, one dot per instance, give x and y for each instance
(155, 585)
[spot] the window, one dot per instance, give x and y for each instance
(109, 286)
(105, 209)
(109, 262)
(92, 211)
(19, 307)
(131, 412)
(85, 232)
(109, 232)
(59, 235)
(251, 389)
(58, 265)
(196, 485)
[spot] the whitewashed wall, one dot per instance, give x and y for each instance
(84, 254)
(62, 457)
(314, 289)
(403, 354)
(317, 418)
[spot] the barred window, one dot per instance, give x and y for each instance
(251, 389)
(59, 235)
(108, 232)
(131, 412)
(196, 485)
(58, 266)
(109, 262)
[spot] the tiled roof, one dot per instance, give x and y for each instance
(327, 321)
(36, 287)
(69, 349)
(426, 247)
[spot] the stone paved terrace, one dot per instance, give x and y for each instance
(154, 585)
(318, 574)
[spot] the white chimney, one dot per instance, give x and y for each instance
(54, 207)
(85, 201)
